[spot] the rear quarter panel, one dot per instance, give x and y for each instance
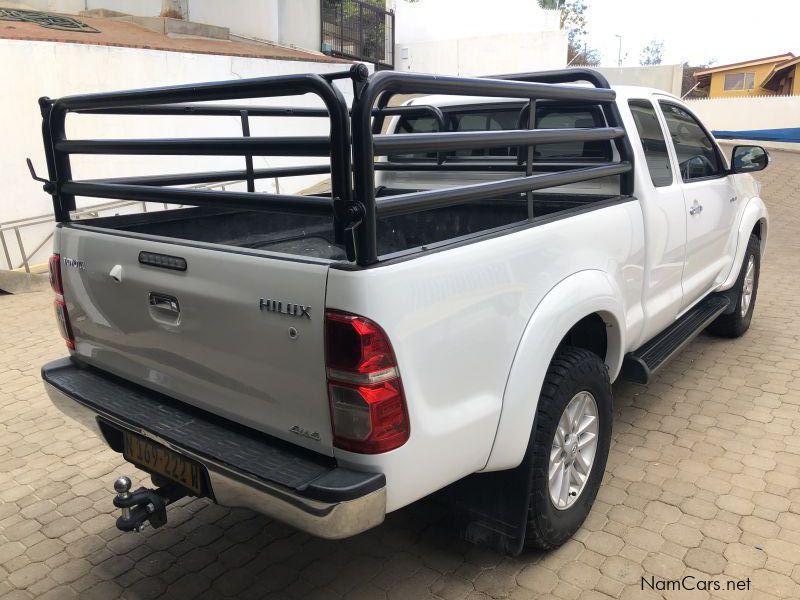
(456, 318)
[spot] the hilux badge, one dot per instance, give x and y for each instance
(75, 263)
(305, 433)
(285, 308)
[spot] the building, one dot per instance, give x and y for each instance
(661, 77)
(768, 76)
(103, 53)
(359, 30)
(503, 36)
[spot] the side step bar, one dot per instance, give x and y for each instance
(640, 365)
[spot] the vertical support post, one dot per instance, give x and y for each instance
(391, 48)
(248, 158)
(5, 250)
(529, 155)
(361, 30)
(624, 148)
(58, 166)
(22, 250)
(364, 171)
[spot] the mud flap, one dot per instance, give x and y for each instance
(491, 509)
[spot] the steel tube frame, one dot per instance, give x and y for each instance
(401, 204)
(307, 205)
(216, 176)
(353, 204)
(337, 145)
(221, 146)
(367, 141)
(459, 140)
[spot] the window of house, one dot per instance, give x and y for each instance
(696, 153)
(739, 81)
(653, 142)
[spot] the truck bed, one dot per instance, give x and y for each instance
(312, 236)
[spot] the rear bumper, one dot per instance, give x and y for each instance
(245, 468)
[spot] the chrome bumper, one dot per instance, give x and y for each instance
(230, 488)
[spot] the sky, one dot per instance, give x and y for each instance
(697, 31)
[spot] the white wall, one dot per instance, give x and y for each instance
(300, 23)
(57, 69)
(431, 20)
(502, 36)
(289, 22)
(663, 77)
(140, 8)
(741, 114)
(251, 18)
(485, 55)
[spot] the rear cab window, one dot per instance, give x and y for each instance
(507, 117)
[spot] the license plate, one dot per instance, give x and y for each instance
(158, 459)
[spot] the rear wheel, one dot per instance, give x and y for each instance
(736, 323)
(569, 446)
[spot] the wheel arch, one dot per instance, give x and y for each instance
(573, 311)
(754, 221)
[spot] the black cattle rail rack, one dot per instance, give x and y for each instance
(352, 204)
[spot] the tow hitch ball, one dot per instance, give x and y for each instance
(144, 505)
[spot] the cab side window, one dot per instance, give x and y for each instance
(653, 142)
(697, 155)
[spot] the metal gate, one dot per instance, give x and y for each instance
(358, 30)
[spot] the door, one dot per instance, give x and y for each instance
(237, 335)
(709, 200)
(665, 222)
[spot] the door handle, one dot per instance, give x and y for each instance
(164, 302)
(696, 208)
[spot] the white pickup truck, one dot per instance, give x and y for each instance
(492, 255)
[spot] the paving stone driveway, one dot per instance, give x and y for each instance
(703, 480)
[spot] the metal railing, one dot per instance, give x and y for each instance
(93, 211)
(352, 203)
(358, 30)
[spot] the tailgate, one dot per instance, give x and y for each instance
(203, 335)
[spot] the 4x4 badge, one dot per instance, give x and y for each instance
(285, 308)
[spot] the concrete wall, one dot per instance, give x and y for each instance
(431, 20)
(300, 23)
(140, 8)
(252, 18)
(485, 55)
(55, 69)
(743, 114)
(662, 77)
(290, 22)
(502, 36)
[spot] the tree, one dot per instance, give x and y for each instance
(175, 9)
(652, 53)
(573, 20)
(688, 83)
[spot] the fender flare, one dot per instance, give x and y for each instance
(572, 299)
(754, 212)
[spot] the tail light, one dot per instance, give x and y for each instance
(368, 408)
(62, 316)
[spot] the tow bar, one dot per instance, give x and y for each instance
(144, 505)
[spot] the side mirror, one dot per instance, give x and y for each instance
(747, 159)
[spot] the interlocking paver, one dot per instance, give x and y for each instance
(703, 479)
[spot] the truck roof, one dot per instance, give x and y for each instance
(624, 92)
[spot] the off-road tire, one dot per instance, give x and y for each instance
(572, 370)
(735, 324)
